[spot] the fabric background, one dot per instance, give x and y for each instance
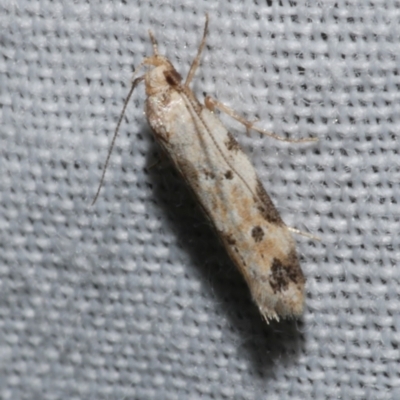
(134, 298)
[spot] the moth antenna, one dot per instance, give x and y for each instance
(196, 60)
(134, 84)
(154, 43)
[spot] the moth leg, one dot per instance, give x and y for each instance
(212, 104)
(154, 164)
(196, 61)
(161, 161)
(306, 234)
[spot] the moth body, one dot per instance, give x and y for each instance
(225, 183)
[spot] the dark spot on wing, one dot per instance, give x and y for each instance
(285, 272)
(172, 77)
(266, 207)
(209, 174)
(189, 172)
(228, 174)
(231, 143)
(233, 250)
(160, 134)
(165, 97)
(231, 241)
(257, 233)
(243, 262)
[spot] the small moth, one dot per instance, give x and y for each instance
(225, 183)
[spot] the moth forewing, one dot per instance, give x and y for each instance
(226, 185)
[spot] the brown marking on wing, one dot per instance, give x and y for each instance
(154, 119)
(231, 143)
(165, 97)
(234, 251)
(230, 240)
(189, 172)
(257, 233)
(158, 130)
(162, 137)
(228, 174)
(172, 77)
(285, 272)
(243, 208)
(209, 174)
(266, 207)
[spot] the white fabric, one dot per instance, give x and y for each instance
(134, 298)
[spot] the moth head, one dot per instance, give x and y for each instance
(162, 76)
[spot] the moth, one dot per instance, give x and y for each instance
(224, 182)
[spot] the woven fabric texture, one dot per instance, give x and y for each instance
(134, 297)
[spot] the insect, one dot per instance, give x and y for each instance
(224, 182)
